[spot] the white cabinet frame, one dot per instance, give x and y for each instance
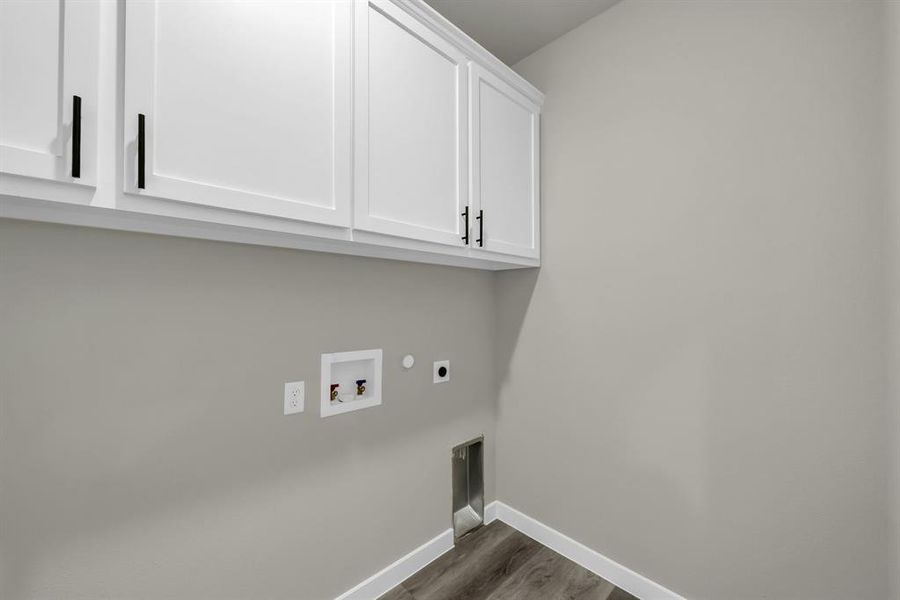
(79, 29)
(478, 77)
(40, 187)
(141, 23)
(363, 219)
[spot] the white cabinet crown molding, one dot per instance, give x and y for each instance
(438, 23)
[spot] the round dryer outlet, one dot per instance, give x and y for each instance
(441, 371)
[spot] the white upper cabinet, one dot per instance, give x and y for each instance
(48, 89)
(369, 127)
(246, 105)
(411, 138)
(505, 167)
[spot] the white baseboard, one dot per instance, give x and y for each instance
(391, 576)
(623, 577)
(490, 512)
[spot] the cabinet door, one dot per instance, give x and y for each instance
(48, 57)
(411, 128)
(505, 167)
(247, 105)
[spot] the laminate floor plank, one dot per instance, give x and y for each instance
(496, 562)
(470, 550)
(480, 571)
(398, 593)
(551, 576)
(620, 594)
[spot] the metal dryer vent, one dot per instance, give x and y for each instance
(468, 487)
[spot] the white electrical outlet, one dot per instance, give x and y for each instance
(294, 395)
(441, 371)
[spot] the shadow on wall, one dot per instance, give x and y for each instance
(513, 292)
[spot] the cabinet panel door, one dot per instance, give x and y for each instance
(247, 105)
(505, 166)
(411, 128)
(48, 55)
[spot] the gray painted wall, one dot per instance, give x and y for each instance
(694, 384)
(892, 39)
(143, 453)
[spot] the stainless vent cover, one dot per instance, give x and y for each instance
(468, 487)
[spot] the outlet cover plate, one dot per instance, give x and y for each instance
(437, 368)
(294, 397)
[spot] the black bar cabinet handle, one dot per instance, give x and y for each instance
(480, 240)
(140, 182)
(465, 214)
(76, 136)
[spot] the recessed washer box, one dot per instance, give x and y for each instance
(350, 381)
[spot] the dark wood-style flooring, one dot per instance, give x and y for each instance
(497, 562)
